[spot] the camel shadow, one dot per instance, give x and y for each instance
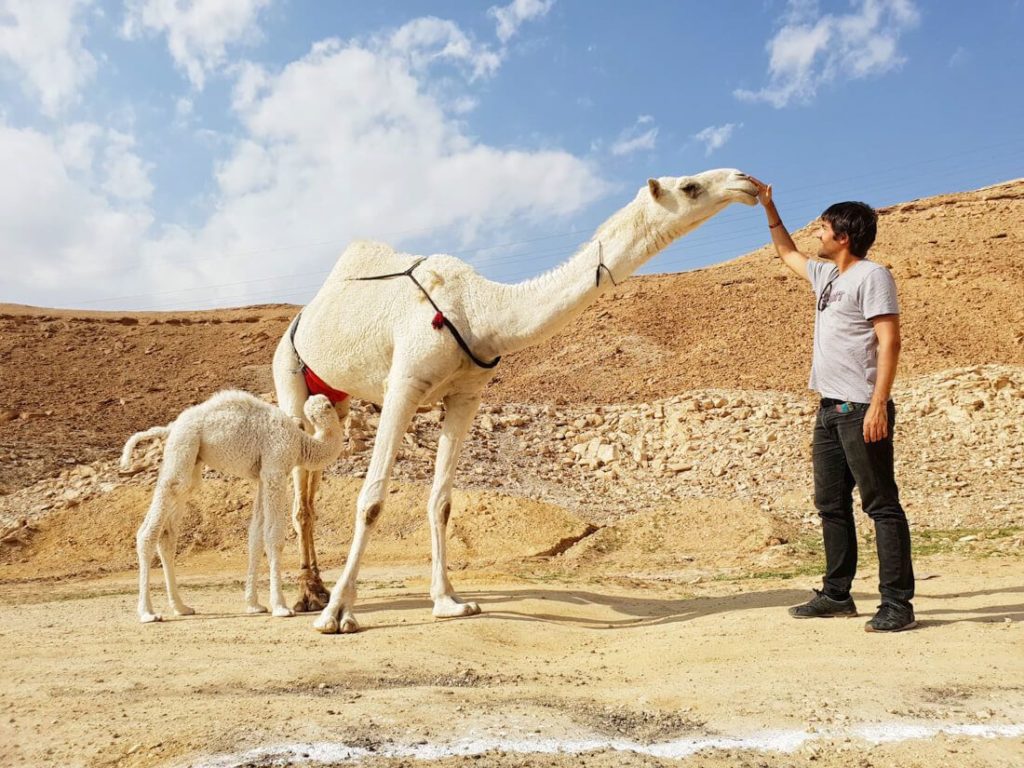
(627, 611)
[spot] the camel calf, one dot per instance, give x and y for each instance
(240, 435)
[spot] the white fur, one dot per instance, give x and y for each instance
(375, 341)
(243, 436)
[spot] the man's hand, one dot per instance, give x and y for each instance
(876, 423)
(764, 191)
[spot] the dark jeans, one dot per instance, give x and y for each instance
(843, 459)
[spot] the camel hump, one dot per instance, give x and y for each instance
(364, 258)
(367, 258)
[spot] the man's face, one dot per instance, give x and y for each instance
(829, 245)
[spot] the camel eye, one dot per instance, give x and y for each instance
(691, 189)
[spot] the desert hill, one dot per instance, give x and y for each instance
(74, 384)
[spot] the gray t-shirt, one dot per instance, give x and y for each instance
(845, 364)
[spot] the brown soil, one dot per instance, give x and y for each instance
(77, 383)
(619, 603)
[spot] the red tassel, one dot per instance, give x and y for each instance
(438, 321)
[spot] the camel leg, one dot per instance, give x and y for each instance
(179, 473)
(145, 547)
(167, 546)
(275, 504)
(400, 401)
(252, 603)
(313, 594)
(459, 413)
(291, 396)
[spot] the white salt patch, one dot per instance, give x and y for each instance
(764, 741)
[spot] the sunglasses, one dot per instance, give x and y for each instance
(825, 295)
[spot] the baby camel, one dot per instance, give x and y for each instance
(240, 435)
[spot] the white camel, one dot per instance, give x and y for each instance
(241, 435)
(395, 343)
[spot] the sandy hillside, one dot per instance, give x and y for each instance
(76, 383)
(633, 514)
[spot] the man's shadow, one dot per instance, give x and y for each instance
(630, 611)
(988, 614)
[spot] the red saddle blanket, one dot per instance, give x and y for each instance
(318, 386)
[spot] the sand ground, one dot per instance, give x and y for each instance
(618, 663)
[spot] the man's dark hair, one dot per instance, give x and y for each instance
(857, 221)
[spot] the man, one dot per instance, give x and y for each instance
(856, 350)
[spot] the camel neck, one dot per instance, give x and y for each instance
(320, 448)
(534, 310)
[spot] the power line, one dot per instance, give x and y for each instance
(709, 233)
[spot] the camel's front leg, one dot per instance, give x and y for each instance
(274, 517)
(459, 413)
(252, 603)
(400, 401)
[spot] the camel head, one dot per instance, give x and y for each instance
(321, 414)
(683, 203)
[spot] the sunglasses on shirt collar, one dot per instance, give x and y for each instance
(825, 295)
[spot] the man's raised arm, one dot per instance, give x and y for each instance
(784, 244)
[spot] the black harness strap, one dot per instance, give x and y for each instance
(291, 337)
(439, 318)
(601, 265)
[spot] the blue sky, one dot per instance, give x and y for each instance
(162, 154)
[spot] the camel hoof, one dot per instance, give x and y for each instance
(184, 610)
(283, 612)
(310, 604)
(150, 618)
(312, 594)
(349, 625)
(254, 609)
(326, 625)
(450, 609)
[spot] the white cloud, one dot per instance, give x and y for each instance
(198, 31)
(69, 210)
(715, 136)
(510, 17)
(960, 57)
(811, 50)
(427, 40)
(42, 42)
(635, 138)
(348, 141)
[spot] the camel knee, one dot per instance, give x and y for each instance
(303, 517)
(371, 513)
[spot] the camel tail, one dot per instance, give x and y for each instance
(138, 437)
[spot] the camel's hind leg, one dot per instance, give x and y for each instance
(313, 596)
(400, 401)
(291, 396)
(160, 509)
(459, 413)
(183, 484)
(159, 530)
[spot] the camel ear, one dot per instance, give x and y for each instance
(655, 187)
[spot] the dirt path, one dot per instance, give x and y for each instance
(649, 674)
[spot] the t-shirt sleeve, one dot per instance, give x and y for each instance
(817, 273)
(878, 294)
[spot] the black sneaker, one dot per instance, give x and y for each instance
(892, 617)
(821, 606)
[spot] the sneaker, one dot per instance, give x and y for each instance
(892, 617)
(821, 606)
